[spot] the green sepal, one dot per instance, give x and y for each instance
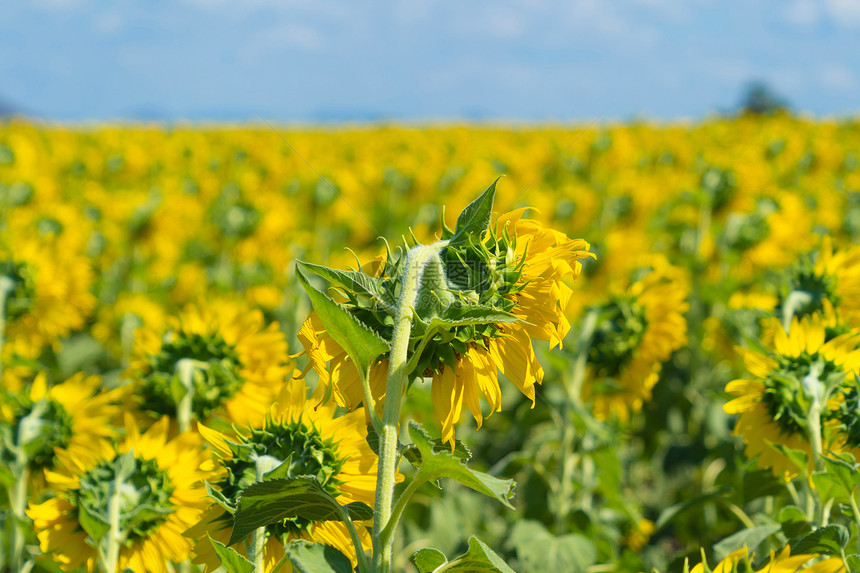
(272, 501)
(94, 524)
(231, 560)
(354, 282)
(428, 559)
(475, 218)
(309, 557)
(361, 343)
(219, 498)
(441, 464)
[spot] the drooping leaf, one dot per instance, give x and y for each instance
(475, 218)
(272, 501)
(479, 557)
(232, 561)
(361, 344)
(440, 464)
(828, 539)
(428, 559)
(539, 550)
(461, 451)
(309, 557)
(793, 521)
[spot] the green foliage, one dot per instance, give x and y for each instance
(538, 550)
(437, 464)
(231, 560)
(316, 558)
(269, 502)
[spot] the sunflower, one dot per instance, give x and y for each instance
(74, 416)
(826, 278)
(334, 449)
(115, 324)
(773, 404)
(238, 363)
(636, 330)
(521, 268)
(782, 562)
(47, 297)
(166, 480)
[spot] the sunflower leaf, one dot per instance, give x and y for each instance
(479, 557)
(272, 501)
(437, 464)
(475, 218)
(309, 557)
(361, 344)
(539, 550)
(232, 561)
(427, 560)
(828, 539)
(219, 497)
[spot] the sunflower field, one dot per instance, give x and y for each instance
(606, 348)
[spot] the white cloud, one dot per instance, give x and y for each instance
(802, 13)
(837, 77)
(845, 12)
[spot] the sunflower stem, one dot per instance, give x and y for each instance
(6, 286)
(363, 565)
(18, 504)
(115, 535)
(416, 260)
(856, 511)
(258, 541)
(185, 368)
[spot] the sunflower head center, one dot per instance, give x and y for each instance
(143, 494)
(23, 291)
(289, 449)
(39, 428)
(215, 379)
(621, 327)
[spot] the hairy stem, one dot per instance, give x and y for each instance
(416, 261)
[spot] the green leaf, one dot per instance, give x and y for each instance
(441, 464)
(797, 457)
(750, 538)
(853, 562)
(232, 561)
(361, 344)
(793, 522)
(540, 551)
(829, 539)
(219, 497)
(428, 559)
(95, 525)
(355, 282)
(309, 557)
(460, 315)
(413, 454)
(475, 218)
(671, 512)
(272, 501)
(479, 557)
(838, 480)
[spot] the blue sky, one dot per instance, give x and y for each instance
(305, 60)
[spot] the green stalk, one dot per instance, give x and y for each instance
(856, 511)
(416, 261)
(185, 368)
(115, 535)
(6, 286)
(18, 504)
(258, 540)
